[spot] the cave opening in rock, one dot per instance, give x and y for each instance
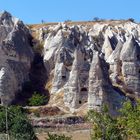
(84, 89)
(138, 56)
(80, 102)
(64, 77)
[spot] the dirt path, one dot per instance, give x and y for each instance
(76, 135)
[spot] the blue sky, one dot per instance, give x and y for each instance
(33, 11)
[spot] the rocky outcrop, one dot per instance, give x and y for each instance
(97, 83)
(115, 63)
(107, 48)
(101, 90)
(130, 57)
(88, 64)
(76, 89)
(15, 56)
(85, 62)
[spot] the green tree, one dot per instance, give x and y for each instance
(96, 19)
(2, 120)
(57, 137)
(37, 99)
(131, 19)
(126, 126)
(129, 120)
(19, 126)
(104, 125)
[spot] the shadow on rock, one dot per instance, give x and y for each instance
(36, 83)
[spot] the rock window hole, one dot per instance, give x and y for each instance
(80, 102)
(83, 89)
(64, 77)
(138, 56)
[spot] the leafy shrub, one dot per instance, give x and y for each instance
(19, 126)
(37, 99)
(104, 125)
(96, 19)
(68, 20)
(57, 137)
(131, 19)
(124, 127)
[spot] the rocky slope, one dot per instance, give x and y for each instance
(16, 56)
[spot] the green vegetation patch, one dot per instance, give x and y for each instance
(37, 99)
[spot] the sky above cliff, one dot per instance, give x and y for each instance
(34, 11)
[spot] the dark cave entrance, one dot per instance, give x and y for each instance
(63, 77)
(80, 102)
(84, 89)
(138, 56)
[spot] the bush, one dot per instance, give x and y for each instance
(104, 125)
(96, 19)
(124, 127)
(22, 130)
(37, 99)
(131, 19)
(19, 126)
(68, 20)
(57, 137)
(129, 120)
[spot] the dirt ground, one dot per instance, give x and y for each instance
(76, 135)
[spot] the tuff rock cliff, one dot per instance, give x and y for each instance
(15, 56)
(87, 63)
(93, 63)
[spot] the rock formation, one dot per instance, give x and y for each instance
(97, 83)
(76, 89)
(89, 63)
(130, 57)
(115, 63)
(15, 56)
(99, 63)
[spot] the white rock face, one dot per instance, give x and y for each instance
(107, 48)
(101, 90)
(131, 65)
(74, 87)
(96, 83)
(87, 61)
(15, 56)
